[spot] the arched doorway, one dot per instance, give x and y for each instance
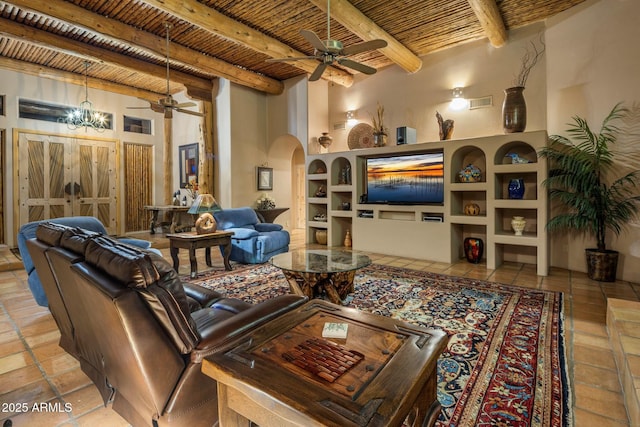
(286, 154)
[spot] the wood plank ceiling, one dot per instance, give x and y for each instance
(124, 39)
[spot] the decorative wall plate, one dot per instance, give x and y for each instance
(361, 136)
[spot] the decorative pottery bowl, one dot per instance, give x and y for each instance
(472, 209)
(470, 173)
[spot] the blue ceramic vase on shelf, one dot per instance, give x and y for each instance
(473, 249)
(516, 188)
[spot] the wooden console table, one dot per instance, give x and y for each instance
(174, 211)
(193, 241)
(284, 373)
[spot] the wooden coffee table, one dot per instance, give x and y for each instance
(285, 373)
(193, 241)
(314, 272)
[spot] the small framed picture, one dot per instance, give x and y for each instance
(265, 178)
(188, 164)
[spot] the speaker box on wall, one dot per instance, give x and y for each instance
(405, 135)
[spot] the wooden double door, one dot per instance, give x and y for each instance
(61, 176)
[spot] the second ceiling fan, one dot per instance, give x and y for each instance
(168, 104)
(332, 51)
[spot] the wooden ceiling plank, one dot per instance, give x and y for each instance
(73, 78)
(78, 49)
(124, 34)
(358, 23)
(491, 21)
(215, 22)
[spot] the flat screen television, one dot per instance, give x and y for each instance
(411, 178)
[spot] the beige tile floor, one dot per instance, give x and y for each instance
(33, 369)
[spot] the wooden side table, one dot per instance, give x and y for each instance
(193, 241)
(174, 211)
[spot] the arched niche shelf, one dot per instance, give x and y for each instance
(317, 166)
(467, 155)
(519, 148)
(341, 171)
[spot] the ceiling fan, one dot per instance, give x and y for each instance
(168, 104)
(330, 51)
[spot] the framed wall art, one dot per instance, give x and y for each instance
(188, 163)
(265, 178)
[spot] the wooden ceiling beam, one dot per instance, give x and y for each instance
(356, 22)
(216, 23)
(491, 21)
(71, 47)
(76, 79)
(119, 32)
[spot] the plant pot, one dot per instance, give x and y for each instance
(602, 266)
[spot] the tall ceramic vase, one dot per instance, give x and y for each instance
(473, 249)
(514, 110)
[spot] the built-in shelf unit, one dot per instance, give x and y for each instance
(437, 232)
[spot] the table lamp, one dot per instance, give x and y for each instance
(203, 206)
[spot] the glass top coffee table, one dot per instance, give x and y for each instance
(317, 273)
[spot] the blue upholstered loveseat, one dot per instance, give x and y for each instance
(253, 242)
(28, 231)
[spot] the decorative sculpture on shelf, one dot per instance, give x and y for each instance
(345, 175)
(445, 126)
(515, 159)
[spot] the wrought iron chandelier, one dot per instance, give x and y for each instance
(84, 115)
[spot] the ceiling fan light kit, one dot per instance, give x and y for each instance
(168, 104)
(332, 51)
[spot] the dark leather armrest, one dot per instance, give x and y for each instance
(216, 335)
(205, 297)
(232, 305)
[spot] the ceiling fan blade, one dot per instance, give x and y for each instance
(185, 104)
(193, 113)
(296, 58)
(314, 40)
(317, 73)
(357, 66)
(362, 47)
(138, 108)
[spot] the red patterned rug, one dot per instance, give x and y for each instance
(505, 362)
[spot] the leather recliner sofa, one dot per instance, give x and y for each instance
(253, 242)
(139, 333)
(28, 231)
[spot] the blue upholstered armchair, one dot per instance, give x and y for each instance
(28, 231)
(253, 242)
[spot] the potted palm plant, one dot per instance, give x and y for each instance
(585, 180)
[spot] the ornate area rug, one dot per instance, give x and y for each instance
(505, 361)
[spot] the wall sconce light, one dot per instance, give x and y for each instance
(458, 102)
(351, 118)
